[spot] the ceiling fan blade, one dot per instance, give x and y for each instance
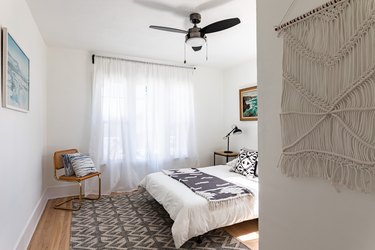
(168, 29)
(197, 48)
(220, 25)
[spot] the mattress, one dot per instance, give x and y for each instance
(190, 212)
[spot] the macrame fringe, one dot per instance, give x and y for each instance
(333, 169)
(232, 201)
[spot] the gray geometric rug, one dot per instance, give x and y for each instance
(134, 221)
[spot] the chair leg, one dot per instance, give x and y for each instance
(72, 208)
(100, 190)
(57, 206)
(80, 197)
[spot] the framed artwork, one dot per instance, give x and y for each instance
(249, 104)
(16, 74)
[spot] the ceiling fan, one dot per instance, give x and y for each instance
(196, 36)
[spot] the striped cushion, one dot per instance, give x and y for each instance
(67, 165)
(82, 165)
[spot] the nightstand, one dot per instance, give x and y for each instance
(226, 155)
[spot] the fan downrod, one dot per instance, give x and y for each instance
(195, 18)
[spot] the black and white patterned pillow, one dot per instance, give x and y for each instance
(247, 163)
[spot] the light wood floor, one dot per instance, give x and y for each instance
(53, 230)
(246, 232)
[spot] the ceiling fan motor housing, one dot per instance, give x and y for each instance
(195, 32)
(195, 18)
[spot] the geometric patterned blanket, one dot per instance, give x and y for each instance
(217, 191)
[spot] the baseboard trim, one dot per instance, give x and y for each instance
(32, 222)
(49, 193)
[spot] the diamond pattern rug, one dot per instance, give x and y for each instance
(134, 221)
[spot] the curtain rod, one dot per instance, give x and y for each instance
(139, 61)
(308, 14)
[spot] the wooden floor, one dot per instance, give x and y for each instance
(246, 232)
(53, 230)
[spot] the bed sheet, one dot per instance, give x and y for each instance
(190, 212)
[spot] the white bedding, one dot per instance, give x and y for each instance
(190, 212)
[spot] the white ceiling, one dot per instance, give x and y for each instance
(121, 27)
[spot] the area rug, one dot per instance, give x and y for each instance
(134, 221)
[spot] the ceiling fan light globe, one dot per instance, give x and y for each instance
(195, 41)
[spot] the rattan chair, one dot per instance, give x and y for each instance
(58, 164)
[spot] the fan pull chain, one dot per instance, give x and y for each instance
(206, 50)
(184, 53)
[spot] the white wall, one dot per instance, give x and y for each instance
(69, 103)
(208, 86)
(297, 214)
(236, 78)
(69, 106)
(23, 136)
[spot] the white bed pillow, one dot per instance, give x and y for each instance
(232, 163)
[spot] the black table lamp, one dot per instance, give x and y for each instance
(235, 131)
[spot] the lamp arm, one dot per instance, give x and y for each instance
(229, 133)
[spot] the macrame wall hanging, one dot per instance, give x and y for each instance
(328, 98)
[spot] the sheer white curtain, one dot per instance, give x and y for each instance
(142, 121)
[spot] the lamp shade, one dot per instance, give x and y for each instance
(237, 131)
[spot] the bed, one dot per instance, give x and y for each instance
(191, 213)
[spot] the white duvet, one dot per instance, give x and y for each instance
(190, 212)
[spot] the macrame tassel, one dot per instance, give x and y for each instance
(353, 176)
(231, 202)
(328, 99)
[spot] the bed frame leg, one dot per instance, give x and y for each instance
(199, 239)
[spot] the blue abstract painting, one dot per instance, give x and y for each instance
(18, 77)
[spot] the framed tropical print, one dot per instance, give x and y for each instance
(16, 75)
(249, 104)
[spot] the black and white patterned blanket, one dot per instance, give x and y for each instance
(217, 191)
